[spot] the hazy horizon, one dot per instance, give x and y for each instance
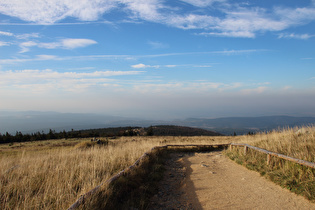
(158, 59)
(35, 121)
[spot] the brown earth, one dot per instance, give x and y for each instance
(212, 181)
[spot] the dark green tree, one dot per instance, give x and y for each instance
(150, 131)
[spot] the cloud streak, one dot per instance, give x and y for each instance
(31, 79)
(235, 20)
(295, 36)
(124, 57)
(68, 44)
(34, 80)
(4, 43)
(143, 66)
(4, 33)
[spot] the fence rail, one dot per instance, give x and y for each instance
(269, 154)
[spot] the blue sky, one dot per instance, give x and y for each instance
(157, 58)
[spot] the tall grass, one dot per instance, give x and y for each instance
(53, 174)
(55, 178)
(295, 142)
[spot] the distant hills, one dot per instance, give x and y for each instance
(28, 122)
(33, 121)
(243, 125)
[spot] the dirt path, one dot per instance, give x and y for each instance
(212, 181)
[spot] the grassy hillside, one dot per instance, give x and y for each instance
(52, 174)
(294, 142)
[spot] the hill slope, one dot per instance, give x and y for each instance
(172, 130)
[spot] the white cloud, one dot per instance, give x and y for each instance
(297, 15)
(68, 44)
(4, 33)
(242, 34)
(19, 36)
(66, 81)
(4, 44)
(49, 74)
(50, 45)
(145, 9)
(228, 19)
(49, 12)
(192, 21)
(27, 36)
(141, 66)
(247, 22)
(170, 66)
(26, 45)
(46, 57)
(295, 36)
(76, 43)
(202, 3)
(62, 44)
(133, 57)
(197, 87)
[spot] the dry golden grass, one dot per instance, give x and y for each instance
(53, 174)
(295, 142)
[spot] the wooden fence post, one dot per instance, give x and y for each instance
(268, 159)
(245, 150)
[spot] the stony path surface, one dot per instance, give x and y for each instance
(212, 181)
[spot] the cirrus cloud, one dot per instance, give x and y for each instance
(142, 66)
(4, 43)
(295, 36)
(62, 44)
(5, 33)
(33, 80)
(49, 12)
(229, 19)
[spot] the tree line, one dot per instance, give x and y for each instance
(159, 130)
(52, 134)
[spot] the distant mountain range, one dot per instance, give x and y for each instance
(28, 122)
(243, 125)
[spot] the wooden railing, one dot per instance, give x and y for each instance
(269, 154)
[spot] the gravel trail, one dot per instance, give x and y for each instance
(212, 181)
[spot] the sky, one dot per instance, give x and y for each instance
(158, 59)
